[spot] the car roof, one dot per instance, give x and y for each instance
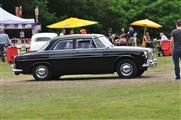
(80, 36)
(74, 36)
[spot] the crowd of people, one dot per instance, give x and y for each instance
(123, 37)
(130, 38)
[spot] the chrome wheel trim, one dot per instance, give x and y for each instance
(126, 69)
(41, 71)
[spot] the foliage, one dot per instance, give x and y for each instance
(109, 13)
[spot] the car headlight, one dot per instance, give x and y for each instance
(13, 66)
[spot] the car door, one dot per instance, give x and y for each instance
(61, 56)
(87, 57)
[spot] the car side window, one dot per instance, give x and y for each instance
(99, 43)
(85, 43)
(64, 44)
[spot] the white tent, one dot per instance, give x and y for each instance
(10, 21)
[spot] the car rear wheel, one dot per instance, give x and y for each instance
(127, 68)
(42, 72)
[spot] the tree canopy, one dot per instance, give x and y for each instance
(108, 13)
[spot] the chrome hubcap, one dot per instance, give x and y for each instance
(41, 71)
(126, 69)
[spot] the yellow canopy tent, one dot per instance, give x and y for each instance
(72, 23)
(146, 23)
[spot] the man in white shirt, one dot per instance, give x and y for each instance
(163, 36)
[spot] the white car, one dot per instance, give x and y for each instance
(39, 39)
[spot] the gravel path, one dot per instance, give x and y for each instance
(148, 77)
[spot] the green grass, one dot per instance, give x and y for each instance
(81, 101)
(6, 74)
(94, 98)
(5, 69)
(164, 64)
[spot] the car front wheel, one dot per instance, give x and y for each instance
(127, 68)
(42, 72)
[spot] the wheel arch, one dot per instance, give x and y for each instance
(41, 63)
(122, 58)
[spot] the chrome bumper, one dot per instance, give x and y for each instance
(17, 71)
(150, 63)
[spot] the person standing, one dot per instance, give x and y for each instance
(176, 38)
(4, 42)
(131, 33)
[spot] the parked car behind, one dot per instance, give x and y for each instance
(39, 39)
(84, 54)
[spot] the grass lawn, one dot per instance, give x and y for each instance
(155, 96)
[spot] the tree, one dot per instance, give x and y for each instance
(108, 13)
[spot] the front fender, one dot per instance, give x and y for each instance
(139, 60)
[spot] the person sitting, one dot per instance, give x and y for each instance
(122, 37)
(62, 32)
(69, 45)
(109, 34)
(71, 32)
(113, 38)
(82, 44)
(163, 36)
(147, 40)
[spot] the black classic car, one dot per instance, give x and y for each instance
(84, 54)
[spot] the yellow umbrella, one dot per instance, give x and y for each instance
(72, 23)
(146, 23)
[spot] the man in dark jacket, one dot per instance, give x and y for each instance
(176, 38)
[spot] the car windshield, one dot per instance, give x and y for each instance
(44, 46)
(105, 41)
